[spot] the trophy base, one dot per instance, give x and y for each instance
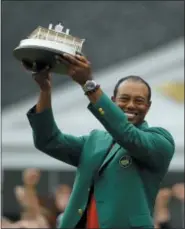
(43, 52)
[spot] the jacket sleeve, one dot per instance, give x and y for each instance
(153, 146)
(50, 140)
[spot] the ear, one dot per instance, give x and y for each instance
(113, 99)
(148, 106)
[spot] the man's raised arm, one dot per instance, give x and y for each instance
(154, 146)
(47, 137)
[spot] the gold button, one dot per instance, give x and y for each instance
(102, 112)
(80, 211)
(100, 109)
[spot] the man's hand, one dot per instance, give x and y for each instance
(42, 77)
(79, 68)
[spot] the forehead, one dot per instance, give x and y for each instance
(133, 88)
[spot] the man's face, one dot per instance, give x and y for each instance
(132, 98)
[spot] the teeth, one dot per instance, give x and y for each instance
(129, 115)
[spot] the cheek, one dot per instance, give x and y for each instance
(142, 110)
(120, 104)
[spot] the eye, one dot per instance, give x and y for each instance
(124, 99)
(139, 101)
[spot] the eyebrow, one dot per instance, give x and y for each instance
(138, 97)
(123, 95)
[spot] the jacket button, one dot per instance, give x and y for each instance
(101, 111)
(80, 211)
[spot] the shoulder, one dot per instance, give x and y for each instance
(161, 131)
(97, 133)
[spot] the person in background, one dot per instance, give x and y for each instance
(162, 214)
(32, 215)
(37, 211)
(62, 195)
(178, 191)
(6, 223)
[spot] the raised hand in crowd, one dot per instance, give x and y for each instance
(62, 195)
(32, 213)
(162, 214)
(178, 191)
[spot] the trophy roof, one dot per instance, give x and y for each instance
(59, 37)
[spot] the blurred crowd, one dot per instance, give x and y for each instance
(37, 211)
(162, 216)
(43, 212)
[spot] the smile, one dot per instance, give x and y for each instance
(130, 115)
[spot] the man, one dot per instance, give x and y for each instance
(119, 170)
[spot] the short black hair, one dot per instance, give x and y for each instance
(133, 78)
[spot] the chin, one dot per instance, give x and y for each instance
(134, 122)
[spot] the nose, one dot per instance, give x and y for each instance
(130, 105)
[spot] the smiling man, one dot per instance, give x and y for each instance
(132, 94)
(119, 170)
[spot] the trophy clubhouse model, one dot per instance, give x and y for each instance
(43, 44)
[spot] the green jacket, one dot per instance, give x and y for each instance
(126, 180)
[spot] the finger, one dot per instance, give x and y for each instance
(81, 56)
(42, 74)
(72, 59)
(61, 60)
(44, 70)
(79, 53)
(34, 66)
(71, 72)
(82, 59)
(47, 68)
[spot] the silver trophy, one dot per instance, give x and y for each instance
(43, 44)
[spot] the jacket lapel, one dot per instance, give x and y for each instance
(109, 156)
(102, 147)
(110, 153)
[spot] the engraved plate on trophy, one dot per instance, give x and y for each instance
(43, 44)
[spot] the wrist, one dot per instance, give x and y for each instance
(95, 96)
(90, 87)
(84, 81)
(45, 91)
